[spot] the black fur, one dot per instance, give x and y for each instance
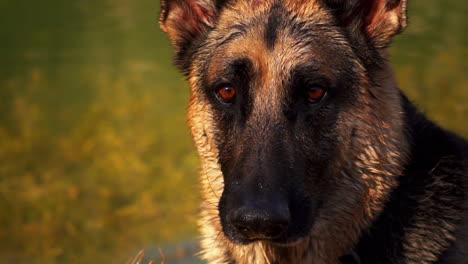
(437, 165)
(271, 30)
(278, 163)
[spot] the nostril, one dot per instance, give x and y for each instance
(244, 223)
(244, 230)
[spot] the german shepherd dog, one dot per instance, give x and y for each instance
(310, 152)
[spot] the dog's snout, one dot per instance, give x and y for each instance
(260, 222)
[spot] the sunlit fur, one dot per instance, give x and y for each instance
(373, 149)
(364, 181)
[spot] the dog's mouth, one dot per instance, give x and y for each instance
(288, 239)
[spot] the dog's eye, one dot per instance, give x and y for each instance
(226, 94)
(315, 94)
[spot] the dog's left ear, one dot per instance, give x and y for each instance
(185, 20)
(380, 20)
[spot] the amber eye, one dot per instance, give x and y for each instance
(226, 93)
(315, 94)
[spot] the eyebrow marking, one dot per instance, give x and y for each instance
(240, 30)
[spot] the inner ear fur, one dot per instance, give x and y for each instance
(379, 20)
(184, 20)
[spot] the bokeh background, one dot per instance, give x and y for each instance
(96, 160)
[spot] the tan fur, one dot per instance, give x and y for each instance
(374, 159)
(367, 163)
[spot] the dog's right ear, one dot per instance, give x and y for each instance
(185, 20)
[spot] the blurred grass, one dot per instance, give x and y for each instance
(96, 161)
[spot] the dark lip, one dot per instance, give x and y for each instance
(287, 243)
(282, 241)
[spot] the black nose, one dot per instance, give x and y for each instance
(260, 222)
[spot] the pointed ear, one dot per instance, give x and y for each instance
(184, 20)
(380, 20)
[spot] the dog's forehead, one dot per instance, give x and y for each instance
(254, 7)
(275, 37)
(254, 15)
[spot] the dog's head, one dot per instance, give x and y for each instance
(293, 112)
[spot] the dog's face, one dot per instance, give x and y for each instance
(281, 107)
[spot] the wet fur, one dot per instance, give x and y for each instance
(399, 194)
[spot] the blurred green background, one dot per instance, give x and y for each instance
(96, 160)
